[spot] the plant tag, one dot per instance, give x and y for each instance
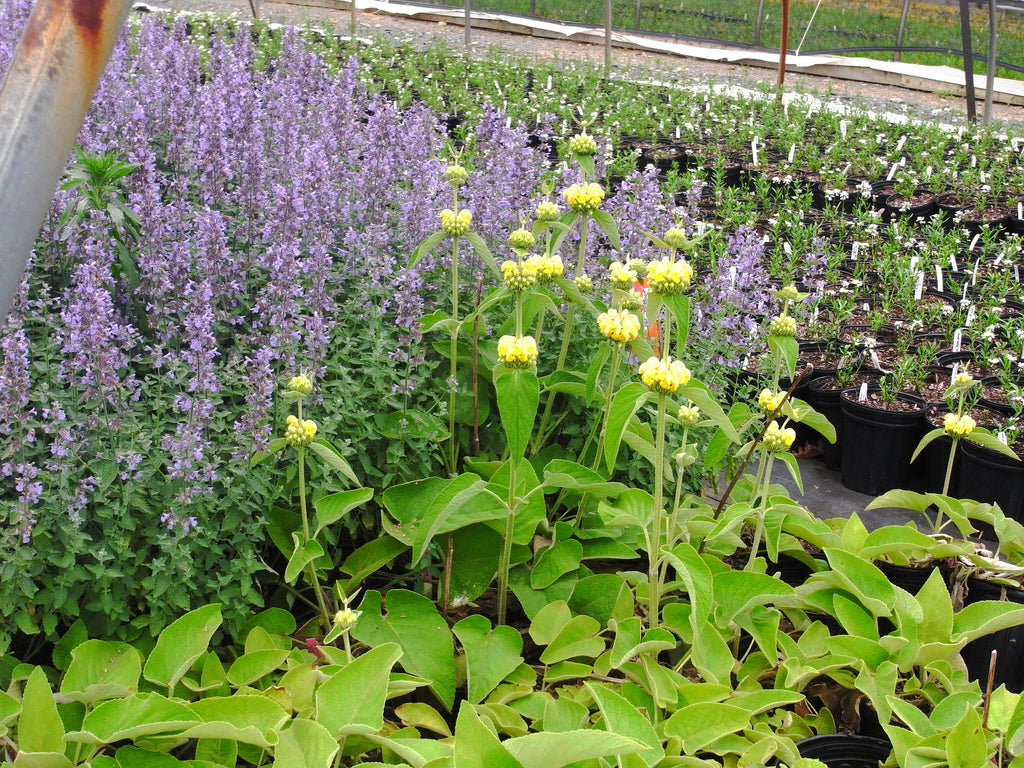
(913, 262)
(867, 306)
(843, 126)
(787, 248)
(792, 152)
(753, 150)
(974, 161)
(1001, 437)
(1020, 209)
(1016, 272)
(863, 394)
(928, 172)
(732, 277)
(974, 241)
(958, 339)
(952, 262)
(969, 320)
(901, 142)
(677, 132)
(892, 172)
(954, 374)
(855, 249)
(974, 274)
(919, 288)
(939, 283)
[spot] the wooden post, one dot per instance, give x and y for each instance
(607, 37)
(757, 22)
(468, 29)
(636, 15)
(784, 45)
(965, 37)
(902, 27)
(353, 24)
(990, 74)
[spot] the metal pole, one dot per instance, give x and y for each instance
(636, 15)
(533, 7)
(49, 85)
(607, 36)
(353, 24)
(469, 29)
(901, 28)
(783, 46)
(965, 36)
(757, 22)
(990, 73)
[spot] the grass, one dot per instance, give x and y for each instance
(848, 24)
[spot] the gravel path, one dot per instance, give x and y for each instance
(898, 103)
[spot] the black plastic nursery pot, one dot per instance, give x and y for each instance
(1008, 643)
(990, 477)
(845, 750)
(878, 443)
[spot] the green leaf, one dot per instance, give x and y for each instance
(305, 744)
(679, 305)
(631, 641)
(701, 396)
(130, 718)
(556, 750)
(607, 224)
(483, 253)
(331, 508)
(619, 715)
(372, 556)
(560, 473)
(101, 670)
(476, 746)
(786, 349)
(802, 412)
(250, 667)
(475, 551)
(601, 596)
(412, 621)
(422, 509)
(699, 725)
(984, 437)
(333, 458)
(577, 637)
(249, 719)
(625, 404)
(927, 440)
(352, 700)
(554, 562)
(491, 655)
(303, 553)
(425, 247)
(420, 715)
(180, 644)
(518, 398)
(40, 728)
(985, 617)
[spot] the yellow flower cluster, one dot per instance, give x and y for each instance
(664, 376)
(455, 224)
(668, 276)
(790, 293)
(522, 239)
(545, 267)
(783, 325)
(619, 325)
(585, 198)
(675, 238)
(547, 211)
(518, 277)
(622, 276)
(584, 284)
(688, 415)
(456, 175)
(769, 400)
(582, 144)
(346, 618)
(299, 433)
(778, 439)
(958, 426)
(301, 384)
(517, 351)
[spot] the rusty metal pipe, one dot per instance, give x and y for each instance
(43, 99)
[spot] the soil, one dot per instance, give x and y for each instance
(874, 400)
(903, 102)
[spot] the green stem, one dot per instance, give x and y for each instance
(762, 507)
(321, 602)
(563, 352)
(505, 557)
(654, 556)
(946, 481)
(612, 376)
(453, 367)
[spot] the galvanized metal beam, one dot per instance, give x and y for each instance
(43, 99)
